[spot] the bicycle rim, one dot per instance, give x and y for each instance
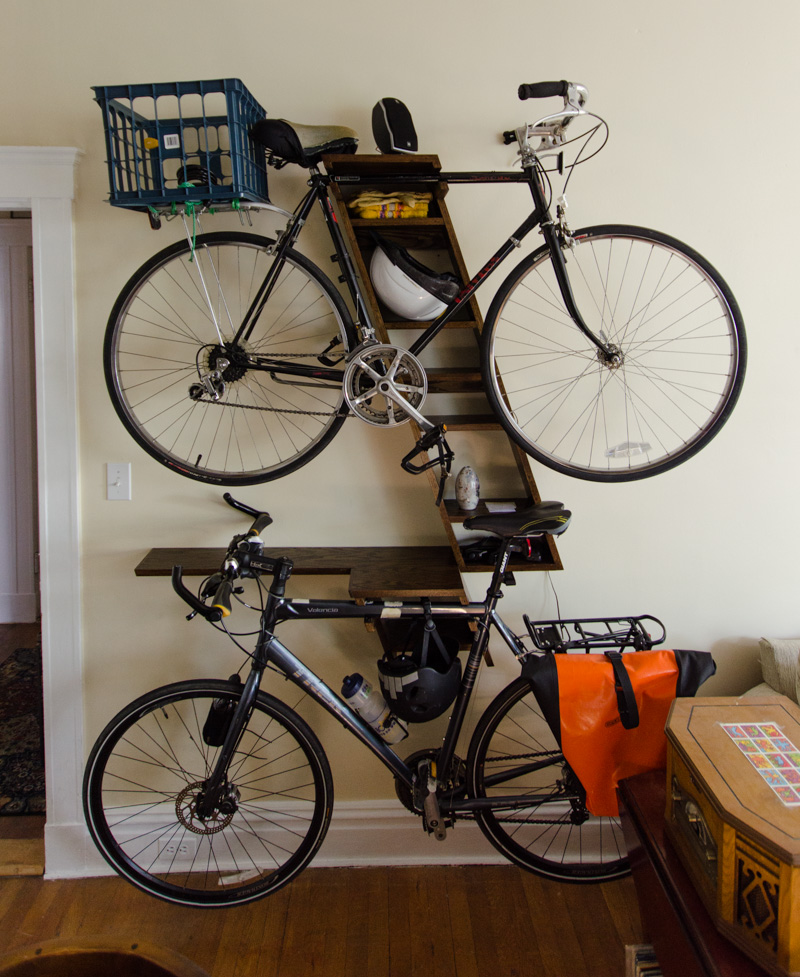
(147, 769)
(680, 366)
(513, 736)
(174, 324)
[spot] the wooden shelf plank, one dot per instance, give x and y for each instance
(466, 422)
(396, 223)
(375, 572)
(462, 379)
(456, 514)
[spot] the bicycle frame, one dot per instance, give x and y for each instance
(319, 193)
(271, 652)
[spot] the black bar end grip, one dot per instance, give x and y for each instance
(509, 136)
(180, 588)
(263, 520)
(543, 89)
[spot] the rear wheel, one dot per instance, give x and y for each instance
(678, 361)
(178, 375)
(148, 769)
(514, 754)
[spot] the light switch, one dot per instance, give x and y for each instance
(118, 480)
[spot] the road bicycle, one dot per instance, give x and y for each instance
(216, 793)
(609, 353)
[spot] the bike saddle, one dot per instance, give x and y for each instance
(550, 518)
(304, 145)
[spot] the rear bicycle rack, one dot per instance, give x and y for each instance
(591, 634)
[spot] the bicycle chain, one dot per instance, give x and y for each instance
(511, 820)
(271, 410)
(522, 756)
(276, 410)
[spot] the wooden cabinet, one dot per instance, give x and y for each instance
(465, 410)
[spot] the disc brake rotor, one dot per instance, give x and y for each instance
(381, 381)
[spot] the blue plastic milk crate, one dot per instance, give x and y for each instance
(173, 142)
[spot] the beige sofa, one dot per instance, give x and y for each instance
(780, 668)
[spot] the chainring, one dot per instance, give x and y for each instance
(379, 380)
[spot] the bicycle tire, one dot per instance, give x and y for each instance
(165, 330)
(681, 341)
(147, 767)
(512, 734)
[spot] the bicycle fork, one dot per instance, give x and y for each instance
(218, 796)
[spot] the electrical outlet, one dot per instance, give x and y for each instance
(185, 848)
(118, 481)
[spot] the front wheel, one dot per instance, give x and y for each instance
(678, 361)
(179, 367)
(538, 819)
(148, 769)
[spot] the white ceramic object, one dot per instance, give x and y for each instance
(468, 488)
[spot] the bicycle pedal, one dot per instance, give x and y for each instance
(433, 820)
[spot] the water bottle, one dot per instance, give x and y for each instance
(371, 706)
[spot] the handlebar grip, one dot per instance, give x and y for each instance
(543, 89)
(222, 598)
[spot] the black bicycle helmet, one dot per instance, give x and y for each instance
(422, 682)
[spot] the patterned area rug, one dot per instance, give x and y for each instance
(21, 733)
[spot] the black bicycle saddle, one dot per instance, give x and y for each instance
(550, 518)
(304, 145)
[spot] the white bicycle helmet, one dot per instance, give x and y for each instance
(408, 287)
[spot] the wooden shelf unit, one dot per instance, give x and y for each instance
(434, 233)
(399, 572)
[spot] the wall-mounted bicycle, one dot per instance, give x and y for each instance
(610, 353)
(215, 793)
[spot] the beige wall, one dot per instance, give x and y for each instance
(699, 97)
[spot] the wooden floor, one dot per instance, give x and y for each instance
(487, 921)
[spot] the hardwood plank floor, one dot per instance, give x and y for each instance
(467, 921)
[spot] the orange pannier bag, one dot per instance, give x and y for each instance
(608, 711)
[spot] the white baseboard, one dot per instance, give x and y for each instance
(361, 833)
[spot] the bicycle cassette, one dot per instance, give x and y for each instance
(385, 385)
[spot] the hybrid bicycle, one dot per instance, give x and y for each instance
(215, 793)
(609, 353)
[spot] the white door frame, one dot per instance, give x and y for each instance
(42, 180)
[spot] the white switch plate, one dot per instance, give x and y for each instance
(118, 481)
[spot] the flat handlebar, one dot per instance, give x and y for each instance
(219, 587)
